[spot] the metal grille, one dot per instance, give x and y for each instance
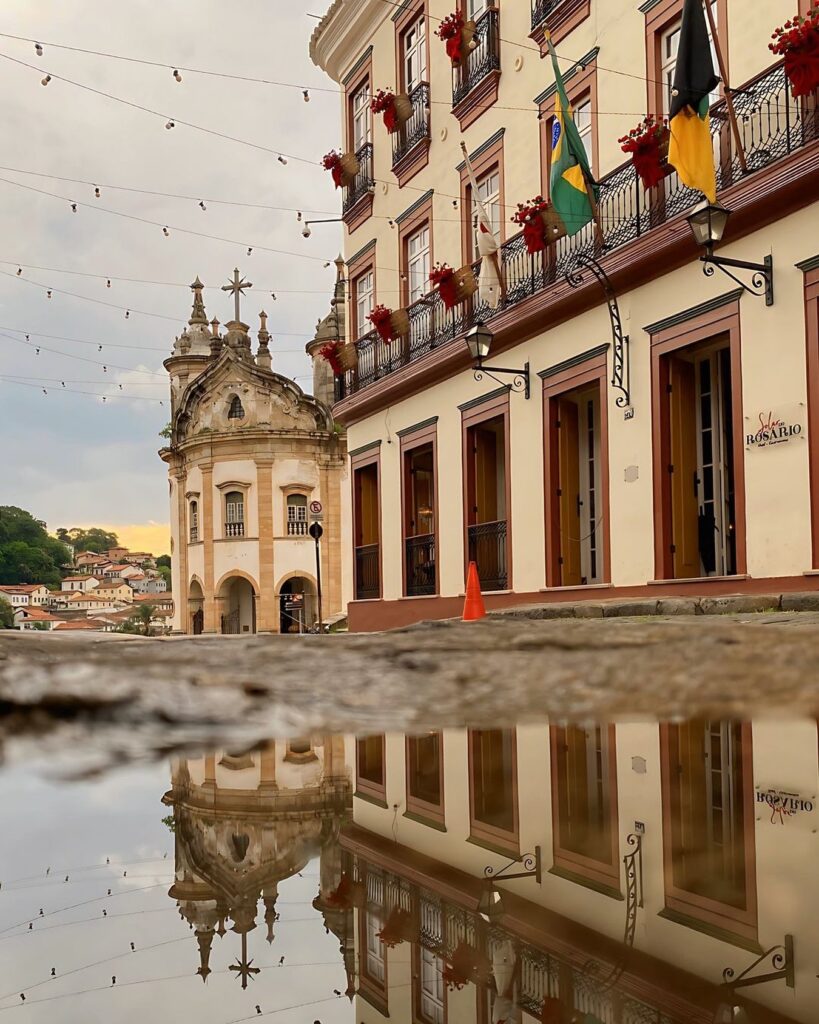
(487, 547)
(420, 565)
(417, 128)
(230, 623)
(367, 576)
(541, 9)
(482, 61)
(772, 125)
(363, 181)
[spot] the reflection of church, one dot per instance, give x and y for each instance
(244, 823)
(249, 454)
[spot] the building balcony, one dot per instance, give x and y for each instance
(410, 144)
(420, 565)
(234, 529)
(358, 196)
(487, 548)
(642, 234)
(475, 82)
(367, 572)
(560, 17)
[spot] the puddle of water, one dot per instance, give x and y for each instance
(348, 881)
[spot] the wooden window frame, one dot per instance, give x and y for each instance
(361, 264)
(812, 362)
(423, 435)
(487, 835)
(361, 461)
(417, 1016)
(364, 788)
(483, 164)
(710, 913)
(403, 22)
(495, 404)
(417, 808)
(375, 992)
(658, 20)
(580, 85)
(363, 77)
(723, 320)
(226, 488)
(599, 873)
(411, 225)
(591, 370)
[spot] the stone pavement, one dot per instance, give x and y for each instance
(112, 698)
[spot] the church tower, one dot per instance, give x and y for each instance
(332, 328)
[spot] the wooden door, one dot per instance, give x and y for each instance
(683, 469)
(486, 475)
(366, 492)
(569, 493)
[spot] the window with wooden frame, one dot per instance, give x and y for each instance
(413, 48)
(234, 514)
(363, 301)
(371, 773)
(487, 162)
(418, 263)
(358, 131)
(373, 971)
(425, 777)
(811, 271)
(366, 484)
(708, 825)
(296, 515)
(194, 521)
(493, 788)
(581, 91)
(429, 996)
(361, 116)
(584, 804)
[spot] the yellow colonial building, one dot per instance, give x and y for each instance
(662, 434)
(249, 455)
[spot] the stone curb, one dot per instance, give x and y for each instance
(736, 604)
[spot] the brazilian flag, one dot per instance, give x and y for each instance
(690, 150)
(570, 165)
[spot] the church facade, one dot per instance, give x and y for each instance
(248, 453)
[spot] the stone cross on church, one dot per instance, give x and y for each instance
(237, 286)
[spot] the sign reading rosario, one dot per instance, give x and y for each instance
(783, 804)
(772, 428)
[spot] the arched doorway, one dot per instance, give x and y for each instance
(196, 608)
(297, 605)
(238, 603)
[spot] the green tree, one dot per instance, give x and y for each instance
(27, 553)
(93, 539)
(6, 615)
(164, 560)
(167, 431)
(165, 572)
(139, 622)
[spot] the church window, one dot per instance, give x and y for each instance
(236, 410)
(296, 515)
(194, 521)
(234, 514)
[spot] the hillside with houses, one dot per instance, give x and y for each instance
(108, 591)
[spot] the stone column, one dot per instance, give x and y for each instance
(210, 771)
(268, 767)
(211, 621)
(266, 617)
(180, 536)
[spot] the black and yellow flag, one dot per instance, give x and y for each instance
(690, 150)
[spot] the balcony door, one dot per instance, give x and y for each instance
(367, 531)
(419, 520)
(579, 487)
(486, 445)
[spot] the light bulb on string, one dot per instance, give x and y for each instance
(36, 351)
(282, 160)
(45, 80)
(105, 369)
(127, 314)
(96, 192)
(298, 216)
(19, 271)
(165, 232)
(177, 76)
(108, 283)
(99, 348)
(73, 207)
(250, 250)
(273, 296)
(202, 205)
(38, 49)
(48, 293)
(169, 125)
(306, 95)
(45, 393)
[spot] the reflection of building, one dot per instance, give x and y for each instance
(248, 454)
(243, 823)
(726, 871)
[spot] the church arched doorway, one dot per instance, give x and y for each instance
(238, 603)
(196, 608)
(297, 605)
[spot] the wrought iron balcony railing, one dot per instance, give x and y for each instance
(772, 123)
(367, 573)
(363, 181)
(541, 9)
(420, 559)
(487, 547)
(482, 61)
(416, 129)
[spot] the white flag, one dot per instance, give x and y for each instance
(489, 280)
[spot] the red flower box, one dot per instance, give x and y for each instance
(349, 894)
(798, 42)
(458, 36)
(397, 110)
(541, 225)
(648, 146)
(444, 277)
(343, 167)
(398, 928)
(466, 964)
(330, 353)
(381, 319)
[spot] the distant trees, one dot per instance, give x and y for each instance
(27, 553)
(94, 539)
(6, 615)
(163, 566)
(139, 621)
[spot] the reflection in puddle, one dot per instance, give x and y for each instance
(612, 874)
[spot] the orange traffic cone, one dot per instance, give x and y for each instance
(473, 605)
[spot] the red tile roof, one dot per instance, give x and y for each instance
(79, 624)
(37, 615)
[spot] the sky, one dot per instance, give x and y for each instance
(68, 457)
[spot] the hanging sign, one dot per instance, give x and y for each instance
(783, 805)
(316, 510)
(775, 427)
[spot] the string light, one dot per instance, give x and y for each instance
(165, 231)
(177, 76)
(48, 293)
(298, 216)
(306, 95)
(282, 160)
(73, 207)
(38, 49)
(46, 80)
(108, 283)
(127, 314)
(202, 205)
(19, 271)
(250, 250)
(96, 192)
(169, 125)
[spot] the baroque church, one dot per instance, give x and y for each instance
(249, 454)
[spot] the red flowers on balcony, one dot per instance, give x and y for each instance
(343, 167)
(349, 894)
(397, 110)
(458, 35)
(399, 927)
(648, 145)
(330, 353)
(389, 324)
(466, 964)
(798, 42)
(541, 224)
(443, 277)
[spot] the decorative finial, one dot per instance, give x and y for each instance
(237, 286)
(262, 323)
(198, 314)
(214, 328)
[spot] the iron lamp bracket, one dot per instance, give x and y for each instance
(520, 378)
(780, 959)
(761, 283)
(532, 864)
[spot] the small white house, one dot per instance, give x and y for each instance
(34, 618)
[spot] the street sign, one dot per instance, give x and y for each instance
(316, 530)
(316, 510)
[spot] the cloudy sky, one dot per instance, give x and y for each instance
(68, 457)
